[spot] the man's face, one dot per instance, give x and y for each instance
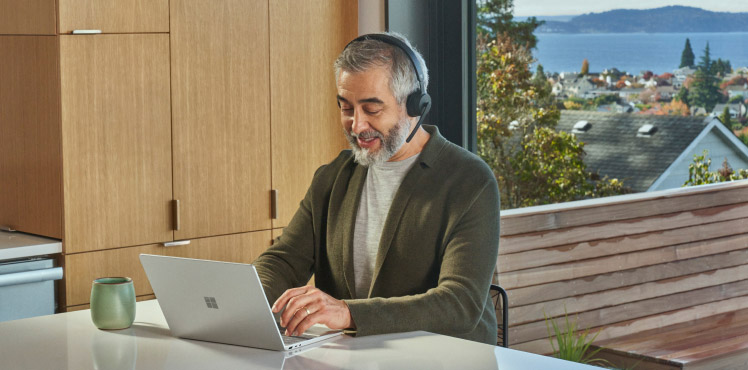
(374, 123)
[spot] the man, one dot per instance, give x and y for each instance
(400, 235)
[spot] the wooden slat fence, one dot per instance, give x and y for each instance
(624, 264)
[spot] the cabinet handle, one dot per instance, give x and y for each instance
(7, 228)
(274, 204)
(176, 243)
(175, 209)
(86, 32)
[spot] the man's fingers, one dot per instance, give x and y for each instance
(297, 322)
(294, 304)
(286, 296)
(308, 321)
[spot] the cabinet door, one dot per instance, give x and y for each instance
(30, 165)
(28, 17)
(221, 108)
(116, 140)
(114, 16)
(305, 39)
(82, 268)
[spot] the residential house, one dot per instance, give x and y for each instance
(737, 110)
(680, 75)
(577, 86)
(630, 94)
(666, 92)
(735, 90)
(650, 152)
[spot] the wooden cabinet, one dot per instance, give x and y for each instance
(211, 103)
(30, 165)
(116, 140)
(221, 104)
(83, 268)
(114, 16)
(307, 132)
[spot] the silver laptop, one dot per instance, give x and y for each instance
(220, 302)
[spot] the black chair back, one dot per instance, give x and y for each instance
(501, 304)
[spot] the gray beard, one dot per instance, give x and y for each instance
(390, 144)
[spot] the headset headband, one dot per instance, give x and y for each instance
(391, 40)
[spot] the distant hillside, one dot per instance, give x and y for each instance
(666, 19)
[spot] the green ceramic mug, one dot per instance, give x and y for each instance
(113, 302)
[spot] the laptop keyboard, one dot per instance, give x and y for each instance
(287, 339)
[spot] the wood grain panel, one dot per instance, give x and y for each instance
(638, 325)
(591, 212)
(621, 262)
(30, 155)
(545, 239)
(613, 297)
(220, 87)
(704, 341)
(116, 140)
(28, 17)
(82, 268)
(114, 16)
(240, 248)
(631, 309)
(653, 238)
(569, 288)
(306, 128)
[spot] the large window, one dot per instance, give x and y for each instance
(576, 103)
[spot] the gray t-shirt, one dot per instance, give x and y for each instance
(382, 182)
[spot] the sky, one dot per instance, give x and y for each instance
(576, 7)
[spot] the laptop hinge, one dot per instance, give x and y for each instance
(274, 204)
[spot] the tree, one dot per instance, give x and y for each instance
(682, 95)
(703, 90)
(725, 118)
(687, 57)
(606, 99)
(743, 137)
(673, 108)
(706, 62)
(721, 67)
(533, 163)
(585, 67)
(699, 174)
(495, 18)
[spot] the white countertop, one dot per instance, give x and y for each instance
(19, 245)
(70, 341)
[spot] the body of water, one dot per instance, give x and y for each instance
(635, 52)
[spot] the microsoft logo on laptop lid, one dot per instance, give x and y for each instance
(211, 302)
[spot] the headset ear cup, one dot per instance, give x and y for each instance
(424, 104)
(417, 103)
(412, 104)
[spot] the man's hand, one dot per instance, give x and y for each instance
(306, 306)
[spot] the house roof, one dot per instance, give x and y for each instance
(614, 148)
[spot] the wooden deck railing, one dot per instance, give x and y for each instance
(625, 264)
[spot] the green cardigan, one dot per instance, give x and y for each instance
(436, 256)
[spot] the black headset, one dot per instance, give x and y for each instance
(418, 102)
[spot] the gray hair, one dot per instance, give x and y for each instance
(362, 55)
